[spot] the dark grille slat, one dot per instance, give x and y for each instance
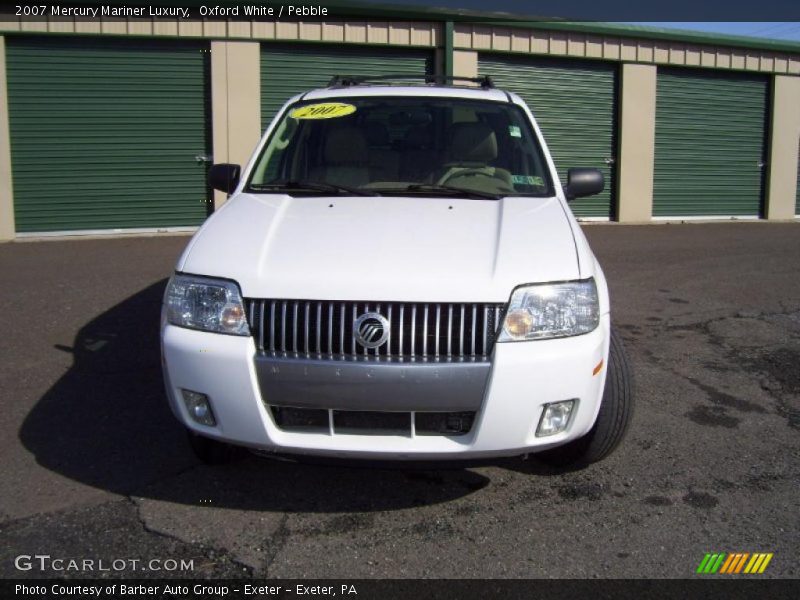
(342, 314)
(461, 333)
(261, 326)
(474, 326)
(413, 351)
(425, 330)
(438, 326)
(272, 327)
(324, 329)
(283, 327)
(449, 330)
(334, 422)
(400, 349)
(330, 329)
(319, 328)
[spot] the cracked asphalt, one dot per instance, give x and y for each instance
(94, 465)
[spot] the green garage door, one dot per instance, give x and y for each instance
(287, 70)
(574, 103)
(710, 133)
(104, 134)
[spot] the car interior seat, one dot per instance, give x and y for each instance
(420, 159)
(345, 158)
(473, 146)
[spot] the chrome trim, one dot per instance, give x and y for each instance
(368, 385)
(294, 329)
(474, 326)
(319, 328)
(272, 327)
(413, 352)
(449, 330)
(316, 329)
(402, 314)
(283, 327)
(306, 327)
(438, 325)
(341, 328)
(261, 327)
(425, 331)
(461, 334)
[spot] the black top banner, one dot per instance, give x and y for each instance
(473, 10)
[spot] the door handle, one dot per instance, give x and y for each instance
(204, 158)
(609, 161)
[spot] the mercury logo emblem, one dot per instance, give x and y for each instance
(371, 330)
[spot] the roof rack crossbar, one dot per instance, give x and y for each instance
(350, 80)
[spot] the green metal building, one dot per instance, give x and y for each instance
(108, 125)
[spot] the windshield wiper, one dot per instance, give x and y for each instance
(315, 186)
(452, 191)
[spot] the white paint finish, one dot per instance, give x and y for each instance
(412, 249)
(479, 249)
(475, 94)
(525, 376)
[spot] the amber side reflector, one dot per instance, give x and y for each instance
(597, 368)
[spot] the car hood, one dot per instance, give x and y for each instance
(384, 248)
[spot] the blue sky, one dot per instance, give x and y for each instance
(775, 30)
(697, 15)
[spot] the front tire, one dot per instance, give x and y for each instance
(613, 420)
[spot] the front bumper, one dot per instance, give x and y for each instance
(524, 376)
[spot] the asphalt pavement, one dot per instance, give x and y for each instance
(95, 466)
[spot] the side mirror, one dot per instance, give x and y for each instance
(583, 182)
(224, 177)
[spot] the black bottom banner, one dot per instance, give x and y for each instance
(410, 589)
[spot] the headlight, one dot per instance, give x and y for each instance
(206, 304)
(551, 310)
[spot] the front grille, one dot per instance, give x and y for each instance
(419, 331)
(314, 420)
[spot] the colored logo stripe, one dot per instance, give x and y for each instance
(734, 563)
(711, 562)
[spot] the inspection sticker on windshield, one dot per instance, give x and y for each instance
(527, 180)
(514, 131)
(328, 110)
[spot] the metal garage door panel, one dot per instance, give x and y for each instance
(574, 103)
(104, 135)
(287, 70)
(710, 139)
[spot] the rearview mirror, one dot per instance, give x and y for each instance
(224, 177)
(583, 182)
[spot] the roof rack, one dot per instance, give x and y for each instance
(485, 82)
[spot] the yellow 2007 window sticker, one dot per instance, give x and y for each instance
(328, 110)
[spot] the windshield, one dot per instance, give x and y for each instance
(402, 145)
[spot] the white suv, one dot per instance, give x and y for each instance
(397, 275)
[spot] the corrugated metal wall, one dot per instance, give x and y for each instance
(104, 133)
(575, 104)
(710, 144)
(287, 70)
